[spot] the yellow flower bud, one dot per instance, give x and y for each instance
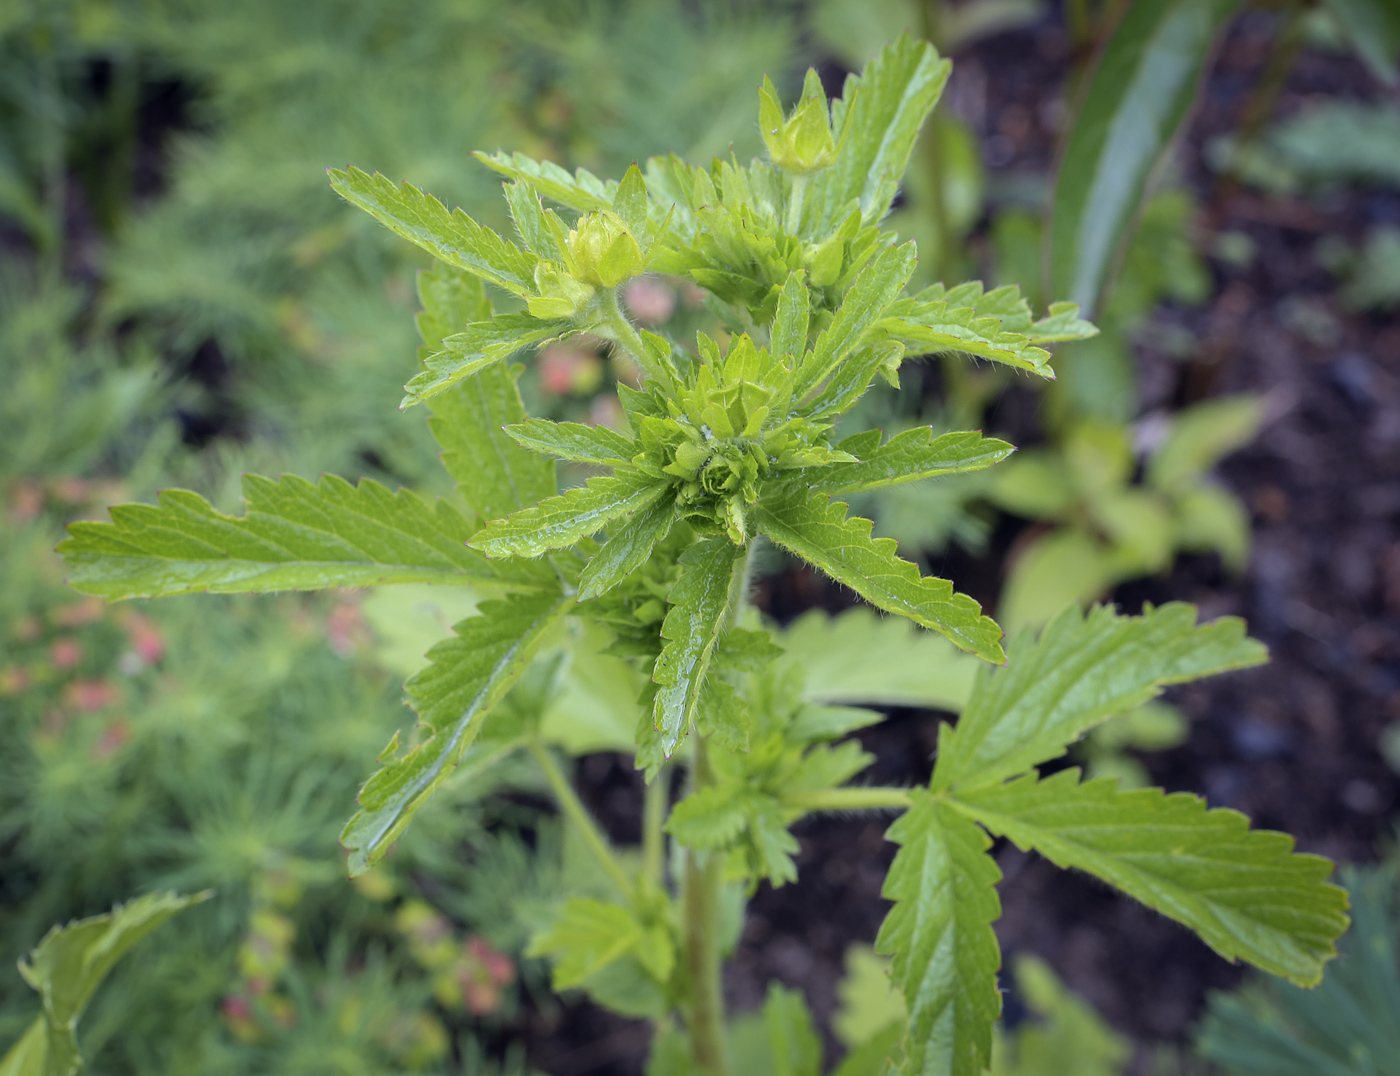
(604, 251)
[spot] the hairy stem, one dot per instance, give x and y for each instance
(620, 331)
(577, 813)
(703, 882)
(849, 799)
(654, 826)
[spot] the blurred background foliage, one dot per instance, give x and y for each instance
(183, 299)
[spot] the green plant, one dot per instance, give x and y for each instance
(1348, 1024)
(723, 444)
(67, 967)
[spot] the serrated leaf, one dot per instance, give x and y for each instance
(794, 1046)
(452, 236)
(877, 121)
(628, 549)
(478, 346)
(1245, 892)
(541, 235)
(700, 601)
(67, 966)
(1062, 323)
(1082, 670)
(908, 456)
(565, 520)
(466, 677)
(295, 535)
(936, 326)
(943, 884)
(877, 286)
(1138, 97)
(713, 816)
(575, 441)
(819, 531)
(788, 339)
(581, 190)
(586, 937)
(494, 475)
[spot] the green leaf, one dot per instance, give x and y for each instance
(1082, 670)
(861, 656)
(562, 521)
(714, 816)
(788, 340)
(66, 968)
(1374, 29)
(466, 677)
(907, 456)
(296, 535)
(943, 884)
(628, 549)
(452, 237)
(478, 346)
(819, 531)
(877, 121)
(494, 475)
(701, 602)
(934, 326)
(1137, 99)
(1201, 436)
(586, 937)
(1061, 324)
(1245, 892)
(877, 286)
(575, 441)
(793, 1043)
(582, 190)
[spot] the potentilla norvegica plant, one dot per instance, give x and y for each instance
(643, 571)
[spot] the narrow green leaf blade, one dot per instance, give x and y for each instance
(565, 520)
(628, 549)
(494, 475)
(877, 286)
(701, 600)
(582, 190)
(943, 884)
(877, 122)
(466, 677)
(819, 531)
(452, 236)
(476, 347)
(1138, 97)
(1082, 670)
(908, 456)
(575, 441)
(1245, 892)
(295, 535)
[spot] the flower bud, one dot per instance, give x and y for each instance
(605, 253)
(802, 142)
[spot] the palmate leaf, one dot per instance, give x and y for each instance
(1082, 670)
(575, 441)
(452, 236)
(943, 884)
(877, 121)
(905, 457)
(296, 535)
(494, 475)
(565, 520)
(818, 530)
(701, 602)
(478, 346)
(465, 677)
(1243, 891)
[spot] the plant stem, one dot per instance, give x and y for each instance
(703, 882)
(653, 826)
(621, 331)
(849, 799)
(577, 813)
